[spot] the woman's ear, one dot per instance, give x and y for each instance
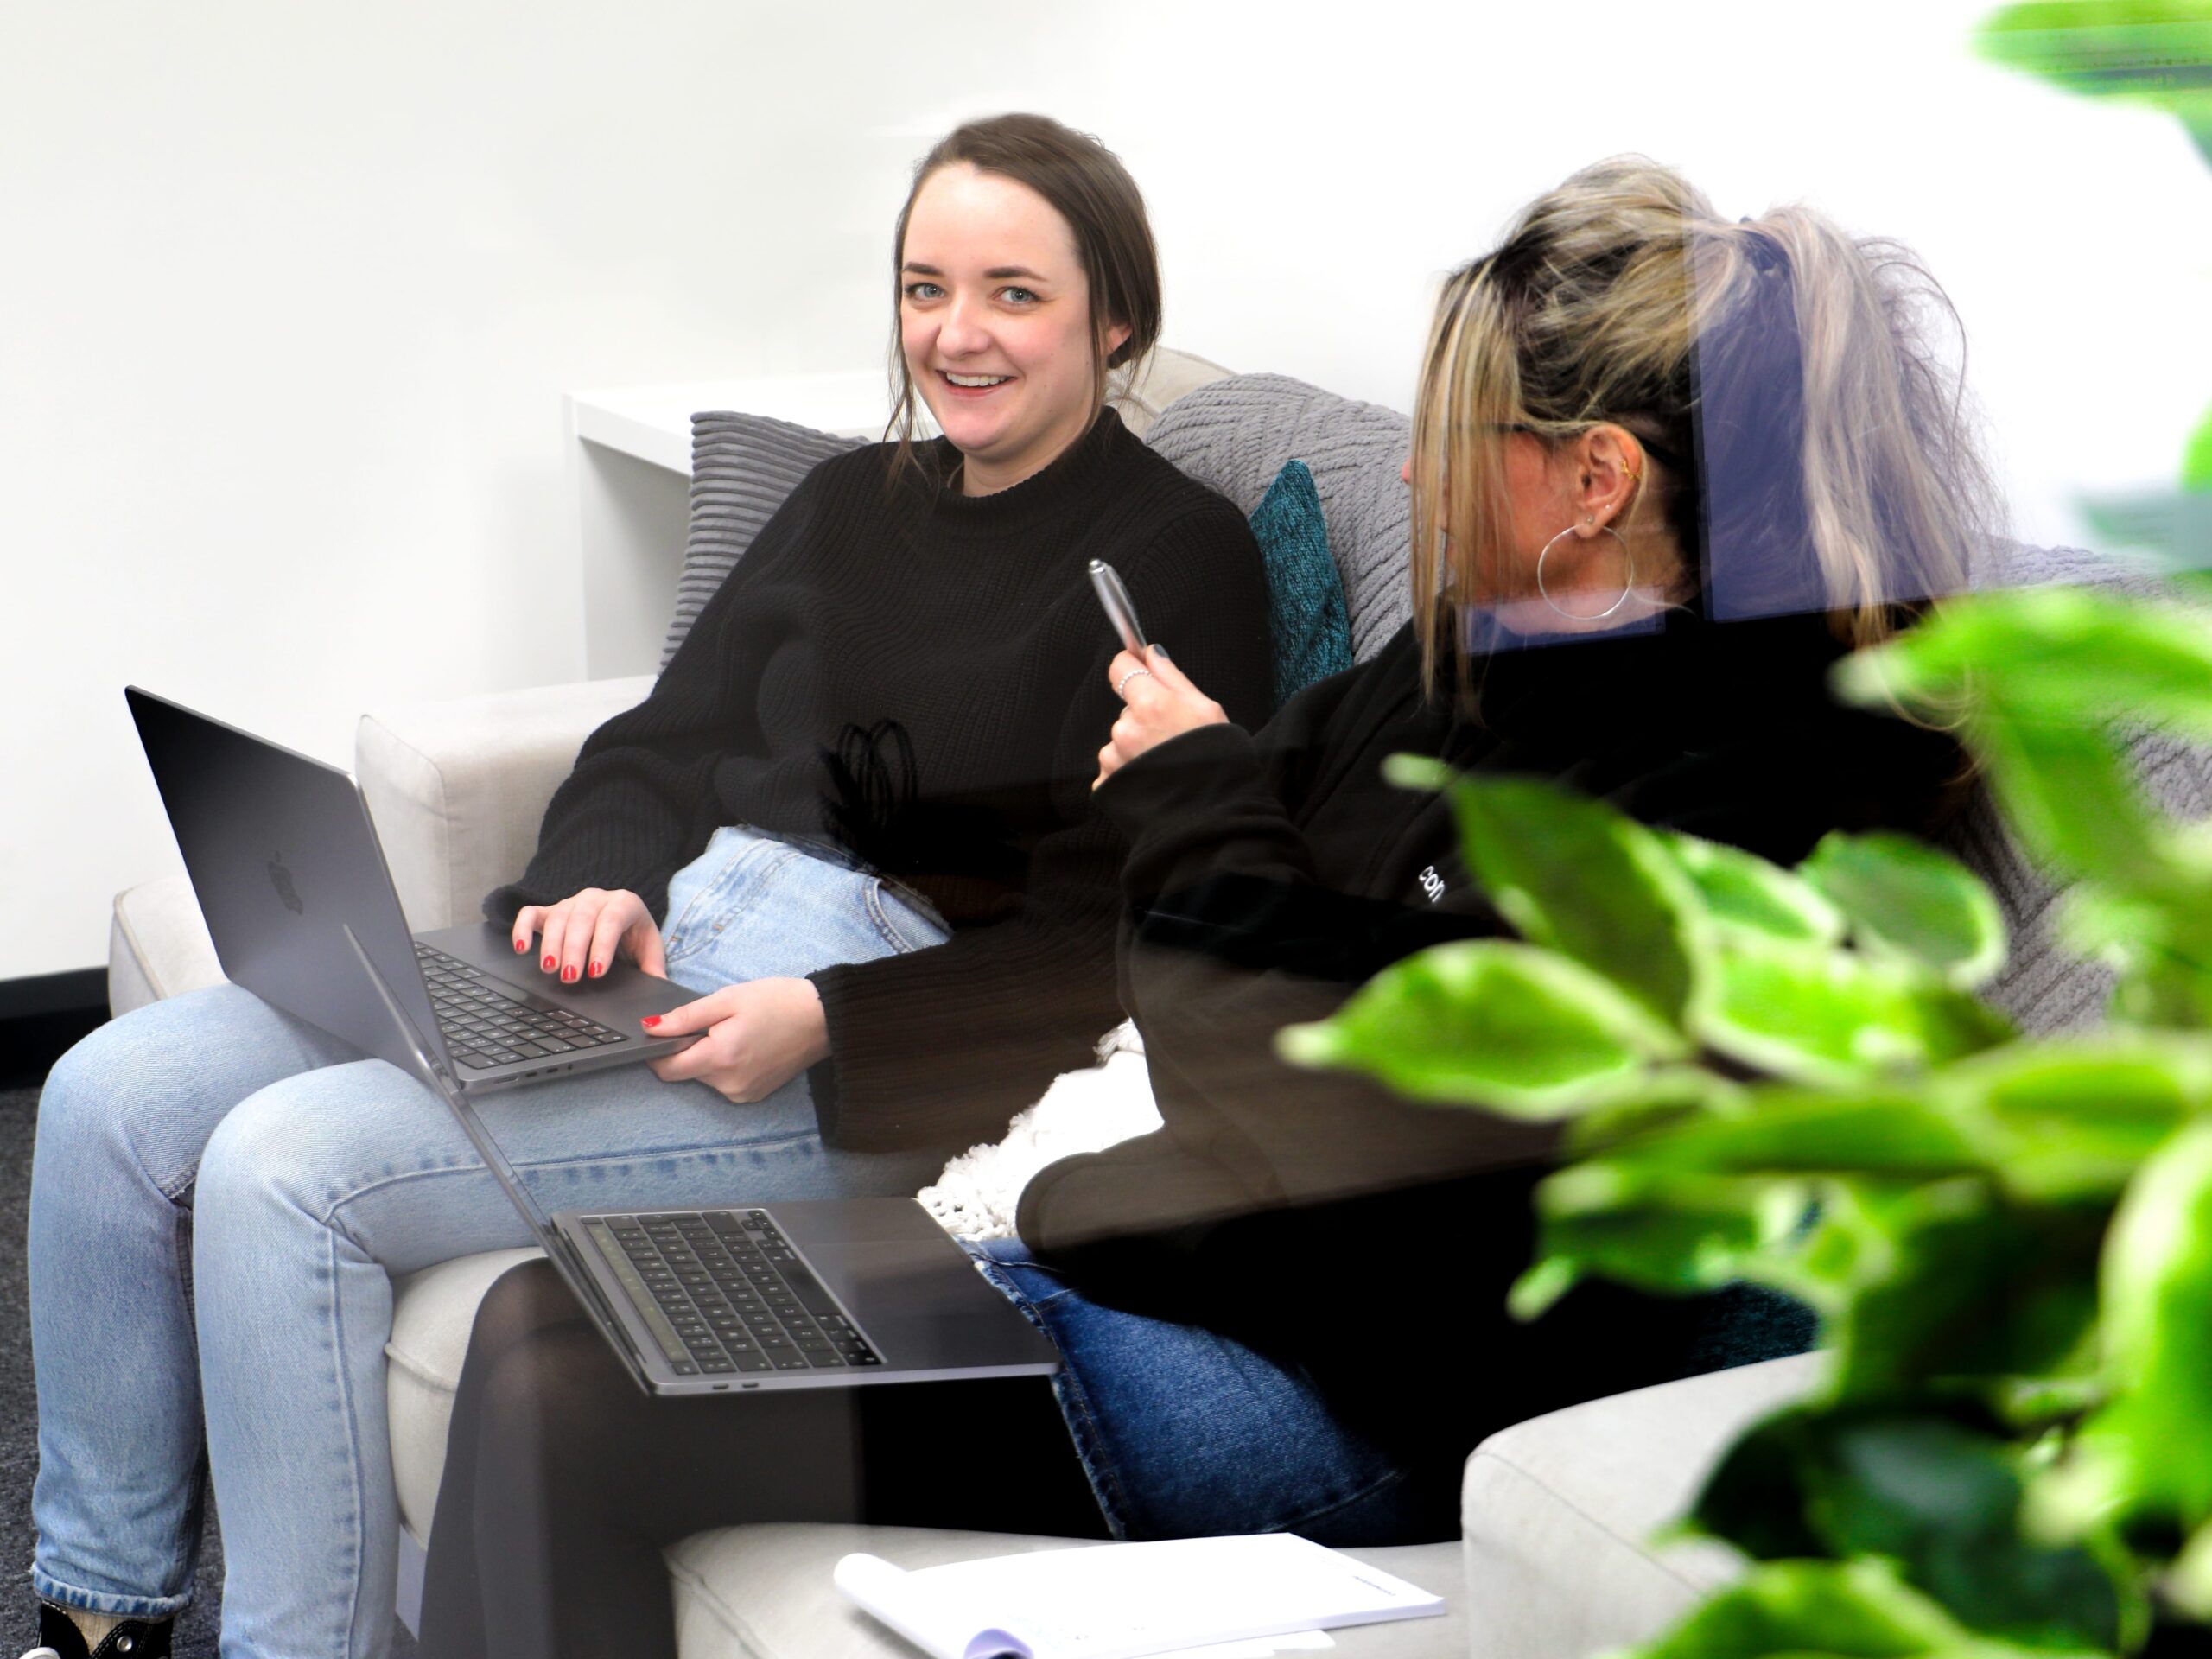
(1118, 336)
(1609, 464)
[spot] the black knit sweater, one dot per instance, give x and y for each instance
(920, 677)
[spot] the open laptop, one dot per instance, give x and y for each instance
(804, 1293)
(283, 855)
(284, 859)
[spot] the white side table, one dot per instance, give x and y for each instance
(632, 450)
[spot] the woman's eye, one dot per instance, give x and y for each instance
(1019, 296)
(923, 291)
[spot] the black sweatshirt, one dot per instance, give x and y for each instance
(920, 677)
(1313, 1213)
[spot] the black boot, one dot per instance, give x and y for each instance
(134, 1638)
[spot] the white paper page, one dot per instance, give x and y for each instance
(1117, 1601)
(903, 1600)
(1258, 1647)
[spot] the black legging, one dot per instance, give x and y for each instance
(564, 1482)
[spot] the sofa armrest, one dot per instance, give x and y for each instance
(458, 788)
(1558, 1514)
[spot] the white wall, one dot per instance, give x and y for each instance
(288, 296)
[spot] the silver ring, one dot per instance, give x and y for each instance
(1122, 684)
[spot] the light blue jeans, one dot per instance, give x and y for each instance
(209, 1156)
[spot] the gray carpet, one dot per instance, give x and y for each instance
(196, 1630)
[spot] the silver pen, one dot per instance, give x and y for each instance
(1119, 610)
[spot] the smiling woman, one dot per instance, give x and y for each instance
(852, 817)
(1001, 351)
(1026, 270)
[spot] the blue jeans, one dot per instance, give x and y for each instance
(1185, 1433)
(221, 1194)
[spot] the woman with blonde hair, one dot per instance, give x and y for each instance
(1667, 469)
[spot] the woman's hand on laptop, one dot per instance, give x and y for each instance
(583, 934)
(759, 1036)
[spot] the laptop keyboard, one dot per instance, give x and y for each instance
(487, 1022)
(724, 1293)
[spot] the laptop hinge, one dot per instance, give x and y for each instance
(582, 1269)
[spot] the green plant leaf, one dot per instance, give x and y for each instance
(1952, 1279)
(2162, 988)
(2036, 1406)
(2196, 459)
(1579, 878)
(1808, 1014)
(2141, 51)
(2094, 922)
(1490, 1023)
(2050, 656)
(1741, 889)
(2159, 943)
(2188, 1583)
(1929, 1488)
(1667, 1230)
(2072, 1120)
(1849, 1609)
(2149, 1452)
(2043, 674)
(2067, 791)
(1668, 1095)
(1781, 1130)
(1905, 898)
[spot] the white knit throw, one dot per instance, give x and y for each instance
(1082, 1112)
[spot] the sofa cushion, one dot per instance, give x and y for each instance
(157, 945)
(457, 787)
(1311, 636)
(1558, 1514)
(1235, 434)
(764, 1591)
(1141, 393)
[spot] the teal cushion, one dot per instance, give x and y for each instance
(1312, 634)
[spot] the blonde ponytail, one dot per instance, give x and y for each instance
(1848, 471)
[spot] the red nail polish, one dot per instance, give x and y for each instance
(548, 964)
(521, 946)
(568, 975)
(651, 1020)
(597, 968)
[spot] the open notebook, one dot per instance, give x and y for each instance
(1119, 1601)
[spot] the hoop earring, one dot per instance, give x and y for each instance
(1628, 585)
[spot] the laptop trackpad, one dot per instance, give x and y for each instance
(618, 1002)
(909, 1287)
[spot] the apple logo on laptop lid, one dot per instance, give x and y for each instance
(281, 878)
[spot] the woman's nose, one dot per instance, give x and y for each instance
(1405, 471)
(962, 331)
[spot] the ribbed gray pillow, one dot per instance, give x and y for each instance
(1235, 434)
(742, 466)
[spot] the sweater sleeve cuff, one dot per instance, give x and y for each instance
(1193, 772)
(821, 1080)
(822, 1084)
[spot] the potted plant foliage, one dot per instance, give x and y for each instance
(1786, 1077)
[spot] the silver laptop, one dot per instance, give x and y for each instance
(805, 1294)
(826, 1293)
(283, 856)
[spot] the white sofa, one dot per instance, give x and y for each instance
(1553, 1562)
(1553, 1508)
